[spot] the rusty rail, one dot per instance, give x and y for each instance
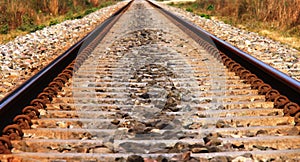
(12, 104)
(283, 83)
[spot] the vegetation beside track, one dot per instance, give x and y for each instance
(277, 19)
(18, 17)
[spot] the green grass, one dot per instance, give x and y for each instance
(189, 10)
(204, 15)
(192, 7)
(4, 29)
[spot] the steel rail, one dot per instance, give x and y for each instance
(283, 83)
(13, 103)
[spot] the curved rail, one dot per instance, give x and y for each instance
(12, 104)
(282, 82)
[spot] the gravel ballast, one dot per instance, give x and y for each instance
(26, 55)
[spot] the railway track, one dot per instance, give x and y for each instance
(147, 86)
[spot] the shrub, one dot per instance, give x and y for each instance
(23, 27)
(295, 31)
(4, 29)
(69, 15)
(78, 17)
(105, 4)
(210, 7)
(40, 27)
(53, 22)
(171, 4)
(88, 11)
(204, 15)
(189, 10)
(27, 23)
(195, 5)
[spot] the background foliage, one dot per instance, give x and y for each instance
(277, 19)
(31, 15)
(281, 13)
